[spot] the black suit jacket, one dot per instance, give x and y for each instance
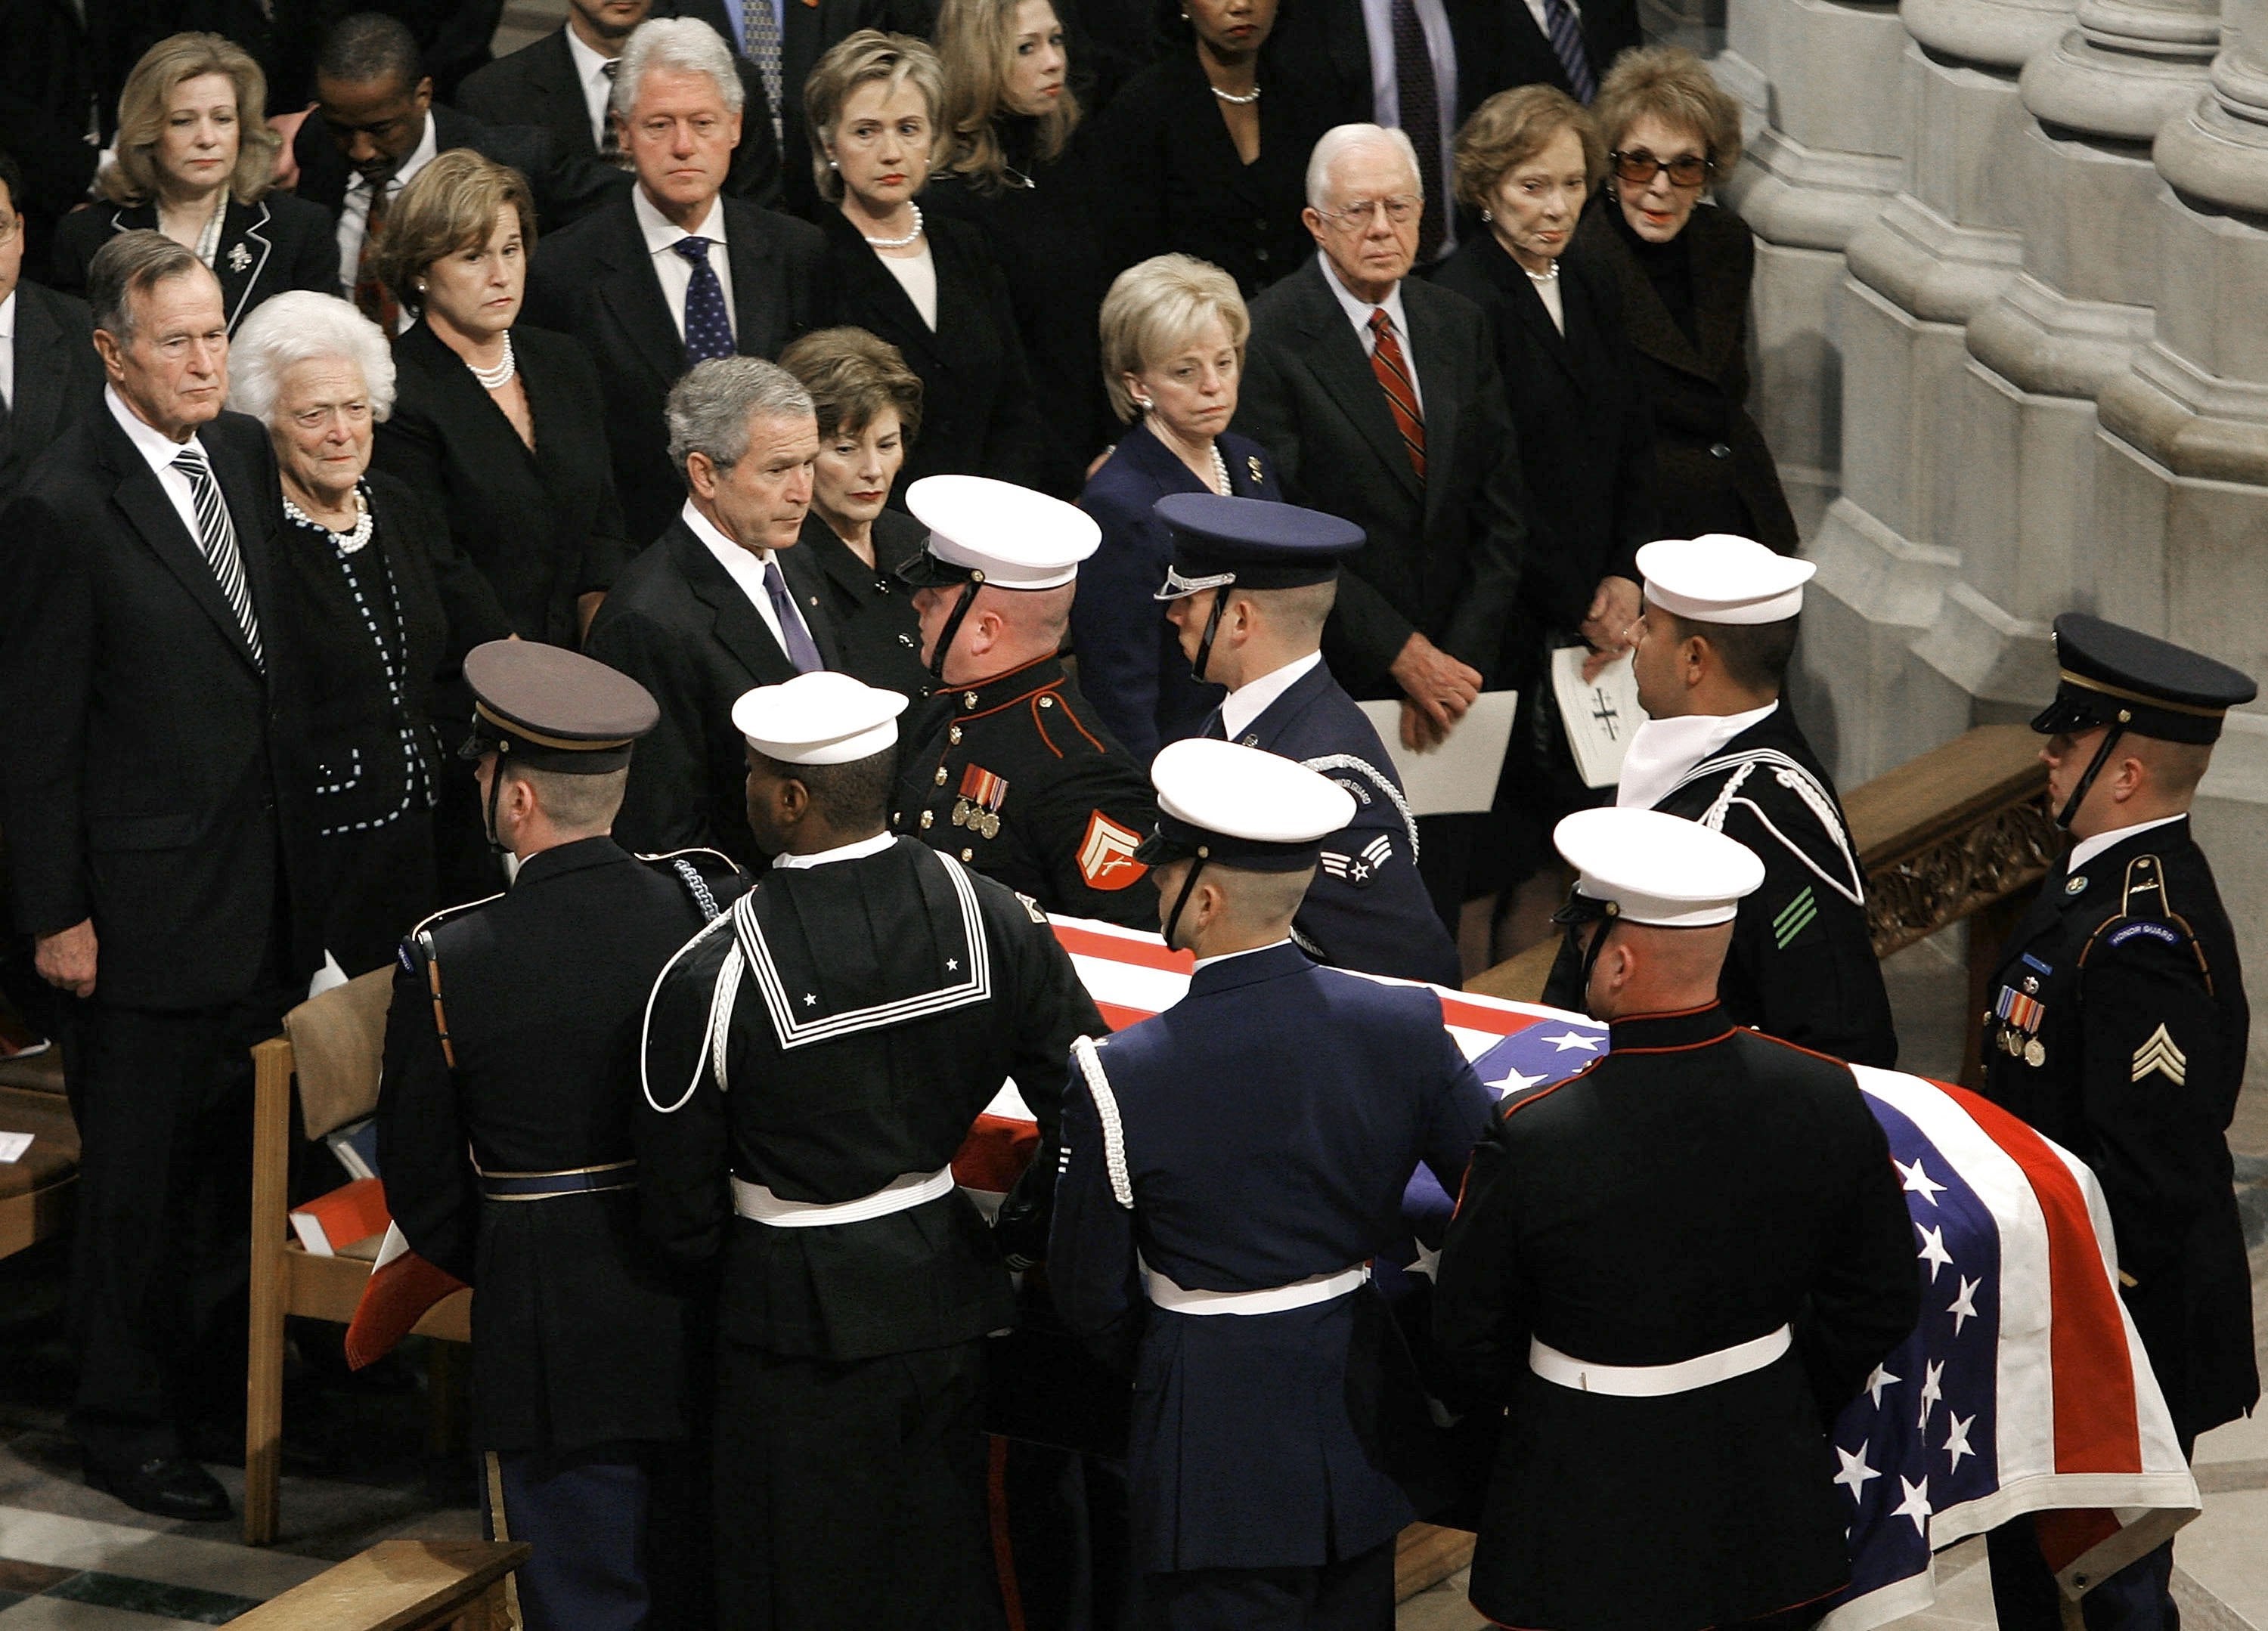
(977, 413)
(596, 282)
(810, 29)
(1444, 554)
(279, 243)
(1713, 470)
(678, 623)
(146, 781)
(872, 608)
(1325, 42)
(58, 379)
(565, 187)
(1524, 55)
(541, 525)
(536, 85)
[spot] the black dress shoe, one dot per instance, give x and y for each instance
(169, 1486)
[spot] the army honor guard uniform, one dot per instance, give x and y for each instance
(1367, 910)
(1014, 774)
(504, 1138)
(1671, 1270)
(2117, 1027)
(1229, 1168)
(1802, 966)
(814, 1060)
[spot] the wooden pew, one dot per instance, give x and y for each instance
(402, 1585)
(38, 1190)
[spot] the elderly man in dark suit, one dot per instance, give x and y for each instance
(564, 83)
(1380, 399)
(146, 682)
(722, 602)
(674, 274)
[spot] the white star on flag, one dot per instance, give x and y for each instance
(1569, 1040)
(1931, 1392)
(1880, 1380)
(1933, 1251)
(1513, 1082)
(1915, 1506)
(1964, 1305)
(1855, 1471)
(1956, 1442)
(1428, 1263)
(1917, 1182)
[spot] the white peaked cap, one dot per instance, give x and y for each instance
(819, 718)
(1016, 538)
(1243, 793)
(1718, 578)
(1657, 869)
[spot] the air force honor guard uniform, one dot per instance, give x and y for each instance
(814, 1060)
(1802, 966)
(2118, 1026)
(503, 1128)
(1229, 1168)
(1671, 1269)
(1008, 768)
(1367, 910)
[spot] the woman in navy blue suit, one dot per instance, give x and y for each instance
(1174, 329)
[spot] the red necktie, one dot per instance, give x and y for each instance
(373, 298)
(1392, 371)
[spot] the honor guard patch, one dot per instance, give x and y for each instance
(2160, 1055)
(1106, 855)
(2156, 931)
(978, 807)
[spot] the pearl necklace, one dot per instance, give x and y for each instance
(495, 378)
(1219, 472)
(348, 542)
(1551, 277)
(1237, 101)
(900, 242)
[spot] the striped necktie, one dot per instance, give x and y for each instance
(1393, 371)
(610, 138)
(760, 37)
(1419, 98)
(216, 538)
(1567, 46)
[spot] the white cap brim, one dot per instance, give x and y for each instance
(1719, 578)
(1659, 870)
(1016, 538)
(820, 718)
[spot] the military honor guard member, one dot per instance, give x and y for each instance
(1719, 746)
(1008, 768)
(1248, 588)
(813, 1061)
(1671, 1270)
(504, 1134)
(1229, 1168)
(2117, 1028)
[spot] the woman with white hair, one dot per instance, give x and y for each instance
(365, 599)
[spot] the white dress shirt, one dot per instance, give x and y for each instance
(591, 74)
(673, 269)
(1661, 752)
(746, 567)
(2086, 849)
(8, 349)
(1240, 707)
(161, 449)
(1251, 951)
(1359, 311)
(858, 851)
(354, 209)
(1386, 89)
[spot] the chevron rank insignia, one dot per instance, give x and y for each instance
(1362, 867)
(1105, 854)
(2160, 1055)
(1796, 916)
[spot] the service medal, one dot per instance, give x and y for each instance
(2034, 1053)
(981, 795)
(961, 812)
(989, 824)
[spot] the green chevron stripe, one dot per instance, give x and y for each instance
(1794, 918)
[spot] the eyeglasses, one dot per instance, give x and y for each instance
(1638, 168)
(1400, 209)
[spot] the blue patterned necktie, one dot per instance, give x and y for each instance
(795, 640)
(217, 542)
(760, 40)
(1567, 45)
(707, 327)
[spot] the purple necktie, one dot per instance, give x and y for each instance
(794, 638)
(707, 327)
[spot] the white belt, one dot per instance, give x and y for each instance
(1272, 1300)
(1653, 1381)
(760, 1205)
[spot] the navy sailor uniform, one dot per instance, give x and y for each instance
(1367, 910)
(1257, 1135)
(1700, 1189)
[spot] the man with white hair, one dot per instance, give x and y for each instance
(674, 274)
(1380, 398)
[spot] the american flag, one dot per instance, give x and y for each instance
(2024, 1388)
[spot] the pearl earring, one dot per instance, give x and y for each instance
(831, 164)
(1487, 216)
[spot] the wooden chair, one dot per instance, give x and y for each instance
(402, 1585)
(330, 1049)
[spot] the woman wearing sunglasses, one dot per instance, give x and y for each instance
(1684, 268)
